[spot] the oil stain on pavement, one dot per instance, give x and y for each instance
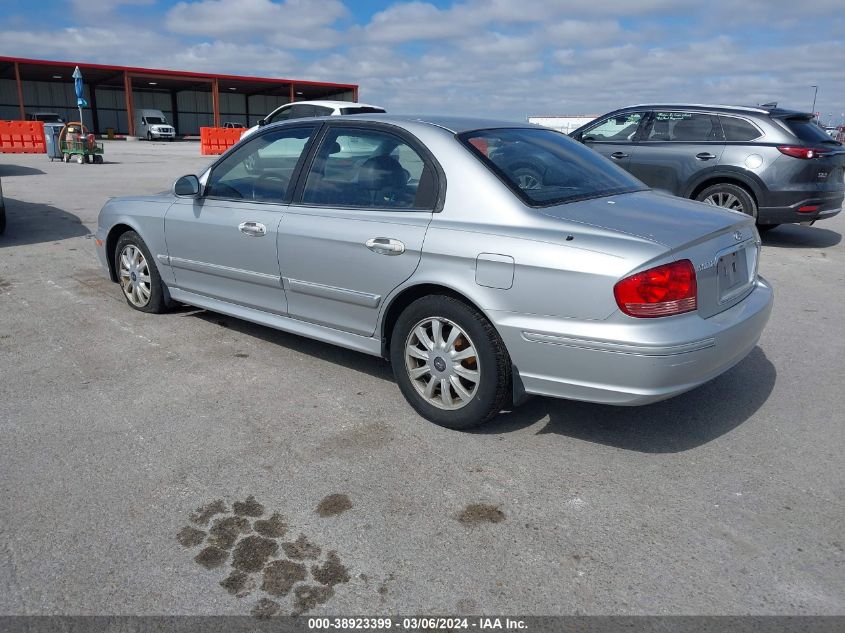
(291, 572)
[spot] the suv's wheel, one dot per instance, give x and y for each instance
(138, 275)
(528, 178)
(729, 196)
(450, 362)
(149, 136)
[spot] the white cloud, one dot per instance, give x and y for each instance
(297, 24)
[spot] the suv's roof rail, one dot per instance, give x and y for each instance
(698, 105)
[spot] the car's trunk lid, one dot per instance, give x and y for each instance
(722, 245)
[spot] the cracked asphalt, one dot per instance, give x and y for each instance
(116, 426)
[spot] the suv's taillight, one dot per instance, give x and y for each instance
(802, 152)
(661, 291)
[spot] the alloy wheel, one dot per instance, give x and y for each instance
(724, 199)
(135, 276)
(442, 363)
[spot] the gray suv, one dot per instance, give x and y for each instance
(773, 164)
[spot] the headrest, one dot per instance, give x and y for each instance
(382, 172)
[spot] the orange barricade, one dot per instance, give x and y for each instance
(216, 140)
(22, 137)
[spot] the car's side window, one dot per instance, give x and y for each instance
(736, 129)
(302, 111)
(689, 127)
(616, 129)
(282, 115)
(322, 111)
(369, 168)
(260, 169)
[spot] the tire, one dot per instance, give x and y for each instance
(729, 196)
(155, 302)
(80, 158)
(149, 136)
(763, 228)
(481, 399)
(2, 219)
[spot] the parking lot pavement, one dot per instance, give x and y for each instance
(116, 426)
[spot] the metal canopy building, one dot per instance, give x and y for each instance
(189, 100)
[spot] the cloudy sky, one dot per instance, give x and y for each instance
(504, 58)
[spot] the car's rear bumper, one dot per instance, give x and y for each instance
(633, 363)
(783, 207)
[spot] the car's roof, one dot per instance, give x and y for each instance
(454, 124)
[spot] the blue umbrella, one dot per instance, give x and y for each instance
(80, 91)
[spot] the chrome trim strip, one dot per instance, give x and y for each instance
(262, 279)
(332, 293)
(619, 348)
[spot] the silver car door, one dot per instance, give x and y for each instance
(223, 244)
(357, 231)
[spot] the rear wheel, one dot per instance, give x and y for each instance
(730, 197)
(138, 276)
(450, 363)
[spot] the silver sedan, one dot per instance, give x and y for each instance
(486, 260)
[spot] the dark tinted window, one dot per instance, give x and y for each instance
(369, 168)
(261, 168)
(361, 110)
(736, 129)
(302, 111)
(322, 111)
(544, 167)
(805, 129)
(683, 127)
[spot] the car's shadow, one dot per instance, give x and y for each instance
(797, 236)
(18, 170)
(370, 365)
(671, 426)
(33, 223)
(679, 424)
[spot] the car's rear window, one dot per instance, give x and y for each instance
(362, 110)
(806, 130)
(544, 167)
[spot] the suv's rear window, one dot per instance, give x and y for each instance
(806, 130)
(544, 167)
(736, 129)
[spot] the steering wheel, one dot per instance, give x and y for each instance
(263, 182)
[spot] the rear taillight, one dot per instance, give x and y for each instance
(662, 291)
(802, 152)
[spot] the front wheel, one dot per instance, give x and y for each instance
(149, 136)
(730, 197)
(138, 276)
(450, 363)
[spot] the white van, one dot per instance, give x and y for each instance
(152, 124)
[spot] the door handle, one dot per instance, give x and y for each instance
(385, 246)
(253, 229)
(619, 155)
(705, 156)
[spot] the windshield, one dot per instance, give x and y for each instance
(544, 167)
(155, 120)
(49, 118)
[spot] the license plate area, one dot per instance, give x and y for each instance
(735, 271)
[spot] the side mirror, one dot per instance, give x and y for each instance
(262, 122)
(187, 187)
